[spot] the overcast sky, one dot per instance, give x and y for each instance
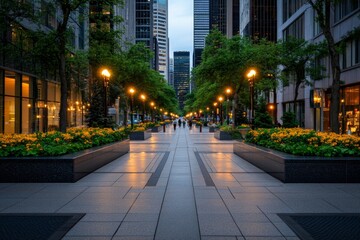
(181, 26)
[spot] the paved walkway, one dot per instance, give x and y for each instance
(180, 185)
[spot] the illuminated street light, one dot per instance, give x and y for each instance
(131, 91)
(251, 78)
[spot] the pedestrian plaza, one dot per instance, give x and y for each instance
(181, 184)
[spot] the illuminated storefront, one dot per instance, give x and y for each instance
(27, 104)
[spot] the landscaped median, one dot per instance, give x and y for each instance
(301, 155)
(59, 157)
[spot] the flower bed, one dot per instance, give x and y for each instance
(59, 157)
(56, 143)
(305, 142)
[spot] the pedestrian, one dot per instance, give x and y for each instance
(184, 123)
(179, 121)
(190, 124)
(174, 123)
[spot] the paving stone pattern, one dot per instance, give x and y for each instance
(242, 203)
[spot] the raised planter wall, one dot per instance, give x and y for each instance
(300, 169)
(66, 168)
(221, 135)
(156, 129)
(138, 136)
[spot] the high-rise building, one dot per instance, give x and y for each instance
(181, 75)
(258, 19)
(298, 19)
(171, 72)
(29, 88)
(201, 28)
(160, 17)
(213, 14)
(127, 26)
(224, 16)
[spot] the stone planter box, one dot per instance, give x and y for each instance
(300, 169)
(222, 135)
(138, 136)
(212, 129)
(65, 168)
(156, 129)
(244, 131)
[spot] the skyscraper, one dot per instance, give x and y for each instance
(258, 19)
(213, 14)
(181, 75)
(201, 28)
(160, 18)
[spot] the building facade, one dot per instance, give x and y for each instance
(201, 28)
(160, 17)
(29, 91)
(297, 18)
(181, 76)
(259, 19)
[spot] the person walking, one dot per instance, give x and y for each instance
(175, 123)
(184, 123)
(179, 121)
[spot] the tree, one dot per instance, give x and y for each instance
(296, 56)
(262, 117)
(323, 9)
(225, 63)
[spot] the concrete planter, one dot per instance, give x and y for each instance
(139, 136)
(156, 129)
(212, 129)
(222, 135)
(244, 131)
(65, 168)
(300, 169)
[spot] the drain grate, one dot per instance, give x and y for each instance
(332, 226)
(36, 226)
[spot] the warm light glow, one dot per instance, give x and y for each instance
(131, 91)
(200, 111)
(166, 113)
(271, 107)
(143, 97)
(105, 73)
(29, 105)
(252, 73)
(77, 102)
(215, 104)
(152, 104)
(228, 91)
(220, 99)
(207, 108)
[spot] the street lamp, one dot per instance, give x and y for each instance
(215, 112)
(152, 104)
(143, 98)
(228, 92)
(106, 75)
(131, 91)
(220, 99)
(251, 78)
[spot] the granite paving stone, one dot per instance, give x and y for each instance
(243, 204)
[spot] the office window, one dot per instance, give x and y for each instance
(344, 8)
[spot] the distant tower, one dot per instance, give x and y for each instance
(160, 16)
(171, 72)
(259, 19)
(201, 28)
(181, 75)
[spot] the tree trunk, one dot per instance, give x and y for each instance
(324, 21)
(61, 33)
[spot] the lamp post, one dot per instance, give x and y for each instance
(221, 114)
(251, 77)
(228, 92)
(215, 112)
(152, 104)
(143, 98)
(106, 75)
(131, 91)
